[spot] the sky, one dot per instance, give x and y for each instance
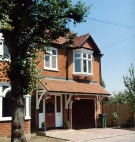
(111, 23)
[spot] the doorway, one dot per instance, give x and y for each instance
(58, 111)
(83, 114)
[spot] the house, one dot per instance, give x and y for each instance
(72, 88)
(70, 91)
(5, 109)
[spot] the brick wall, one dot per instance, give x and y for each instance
(62, 66)
(3, 70)
(5, 128)
(65, 111)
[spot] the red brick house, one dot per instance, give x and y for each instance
(71, 90)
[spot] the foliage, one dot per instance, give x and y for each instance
(120, 97)
(129, 82)
(114, 117)
(128, 124)
(67, 123)
(33, 23)
(44, 124)
(133, 109)
(28, 27)
(128, 95)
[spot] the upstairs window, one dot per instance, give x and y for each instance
(51, 62)
(4, 54)
(83, 62)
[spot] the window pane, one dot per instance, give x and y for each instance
(0, 42)
(49, 107)
(47, 61)
(4, 87)
(41, 106)
(89, 56)
(58, 103)
(77, 55)
(77, 65)
(6, 112)
(84, 55)
(6, 53)
(89, 67)
(53, 52)
(84, 66)
(54, 62)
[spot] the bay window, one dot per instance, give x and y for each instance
(5, 103)
(83, 62)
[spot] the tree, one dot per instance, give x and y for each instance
(129, 82)
(128, 95)
(29, 26)
(120, 97)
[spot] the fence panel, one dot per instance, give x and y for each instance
(123, 110)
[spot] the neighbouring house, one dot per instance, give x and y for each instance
(70, 91)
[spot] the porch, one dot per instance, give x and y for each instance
(58, 101)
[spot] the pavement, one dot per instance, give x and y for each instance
(94, 135)
(88, 135)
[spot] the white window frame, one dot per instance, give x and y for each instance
(27, 103)
(81, 58)
(2, 56)
(50, 55)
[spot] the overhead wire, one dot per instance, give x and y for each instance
(116, 24)
(111, 23)
(118, 42)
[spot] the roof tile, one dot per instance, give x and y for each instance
(72, 87)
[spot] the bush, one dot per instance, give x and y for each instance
(129, 123)
(44, 124)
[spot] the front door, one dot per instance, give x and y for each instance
(50, 112)
(58, 110)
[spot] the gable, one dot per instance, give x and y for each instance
(88, 45)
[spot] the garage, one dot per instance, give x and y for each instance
(83, 114)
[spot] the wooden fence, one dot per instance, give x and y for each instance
(123, 110)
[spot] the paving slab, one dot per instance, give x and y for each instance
(95, 135)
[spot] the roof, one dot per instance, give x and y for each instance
(79, 41)
(64, 86)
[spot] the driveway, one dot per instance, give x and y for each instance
(93, 135)
(85, 135)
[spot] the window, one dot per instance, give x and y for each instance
(83, 62)
(51, 59)
(5, 113)
(4, 54)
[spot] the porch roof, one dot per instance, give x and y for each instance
(62, 86)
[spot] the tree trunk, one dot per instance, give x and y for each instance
(18, 120)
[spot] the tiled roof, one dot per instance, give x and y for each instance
(77, 41)
(72, 87)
